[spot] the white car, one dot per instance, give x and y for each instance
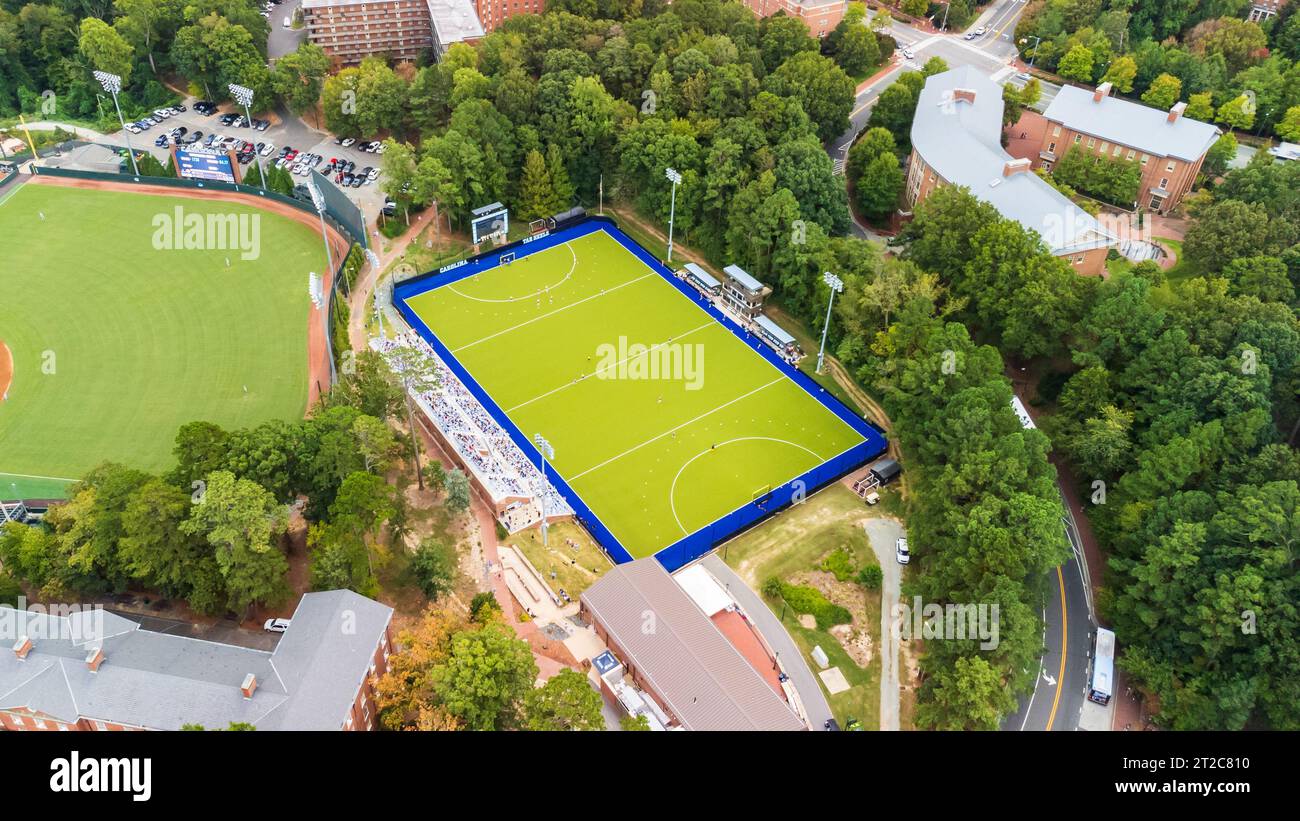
(287, 22)
(900, 550)
(267, 149)
(979, 32)
(373, 175)
(908, 53)
(348, 142)
(276, 625)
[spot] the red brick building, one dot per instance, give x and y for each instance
(821, 16)
(493, 13)
(351, 30)
(93, 670)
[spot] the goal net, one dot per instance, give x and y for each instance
(506, 259)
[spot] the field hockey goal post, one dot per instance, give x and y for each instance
(506, 259)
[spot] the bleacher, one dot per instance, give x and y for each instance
(496, 461)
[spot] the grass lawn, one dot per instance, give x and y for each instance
(796, 541)
(574, 569)
(662, 420)
(116, 344)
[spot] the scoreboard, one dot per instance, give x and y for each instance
(204, 164)
(490, 221)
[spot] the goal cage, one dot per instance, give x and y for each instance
(506, 259)
(539, 225)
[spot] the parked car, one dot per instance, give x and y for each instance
(979, 32)
(276, 625)
(372, 175)
(161, 141)
(908, 53)
(390, 207)
(287, 22)
(357, 180)
(347, 180)
(348, 142)
(261, 125)
(162, 113)
(265, 149)
(900, 550)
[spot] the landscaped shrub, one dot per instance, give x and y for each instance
(839, 562)
(805, 599)
(871, 577)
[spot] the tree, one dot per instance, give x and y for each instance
(872, 143)
(858, 50)
(1076, 64)
(299, 77)
(105, 48)
(406, 695)
(565, 702)
(894, 110)
(485, 676)
(417, 375)
(1200, 106)
(1221, 153)
(458, 491)
(434, 566)
(822, 88)
(536, 193)
(559, 173)
(635, 723)
(879, 186)
(782, 37)
(242, 522)
(1163, 92)
(1239, 112)
(1121, 73)
(141, 23)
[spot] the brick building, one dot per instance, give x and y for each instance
(956, 140)
(1261, 10)
(1170, 147)
(93, 670)
(351, 30)
(495, 12)
(821, 16)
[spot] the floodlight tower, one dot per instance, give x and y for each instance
(113, 84)
(837, 286)
(244, 96)
(675, 178)
(547, 452)
(318, 200)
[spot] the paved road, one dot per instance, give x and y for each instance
(224, 632)
(884, 535)
(283, 40)
(801, 676)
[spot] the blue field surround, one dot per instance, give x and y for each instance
(694, 545)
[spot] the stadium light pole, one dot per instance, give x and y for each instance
(675, 178)
(318, 200)
(244, 96)
(113, 84)
(836, 285)
(547, 452)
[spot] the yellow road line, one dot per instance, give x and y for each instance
(1060, 677)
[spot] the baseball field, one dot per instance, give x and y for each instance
(661, 418)
(121, 327)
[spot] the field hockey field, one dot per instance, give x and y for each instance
(662, 420)
(116, 343)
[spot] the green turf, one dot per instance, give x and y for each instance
(142, 340)
(655, 459)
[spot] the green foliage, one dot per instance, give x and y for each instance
(803, 598)
(565, 702)
(434, 566)
(1113, 179)
(871, 577)
(839, 563)
(484, 607)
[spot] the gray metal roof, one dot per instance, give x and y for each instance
(705, 278)
(454, 21)
(961, 141)
(162, 681)
(704, 680)
(780, 334)
(743, 277)
(1137, 126)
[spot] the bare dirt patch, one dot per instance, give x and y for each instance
(6, 370)
(853, 637)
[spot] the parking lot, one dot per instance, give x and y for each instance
(292, 133)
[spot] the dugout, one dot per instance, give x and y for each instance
(778, 338)
(702, 280)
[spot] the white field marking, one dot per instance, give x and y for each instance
(534, 294)
(672, 491)
(33, 476)
(599, 370)
(548, 314)
(578, 476)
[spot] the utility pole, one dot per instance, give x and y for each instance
(113, 84)
(675, 178)
(836, 285)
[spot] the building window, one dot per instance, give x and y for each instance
(1145, 158)
(1051, 147)
(40, 725)
(1131, 154)
(1056, 132)
(1164, 182)
(1118, 148)
(1170, 167)
(1091, 142)
(1104, 147)
(1047, 165)
(1077, 138)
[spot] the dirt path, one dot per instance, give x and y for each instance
(318, 352)
(883, 533)
(359, 301)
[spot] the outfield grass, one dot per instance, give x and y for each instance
(550, 338)
(139, 340)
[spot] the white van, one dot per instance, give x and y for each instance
(287, 22)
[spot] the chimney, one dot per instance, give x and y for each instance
(1103, 90)
(1176, 112)
(966, 94)
(95, 658)
(249, 685)
(1015, 167)
(22, 647)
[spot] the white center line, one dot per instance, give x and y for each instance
(603, 368)
(540, 317)
(634, 448)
